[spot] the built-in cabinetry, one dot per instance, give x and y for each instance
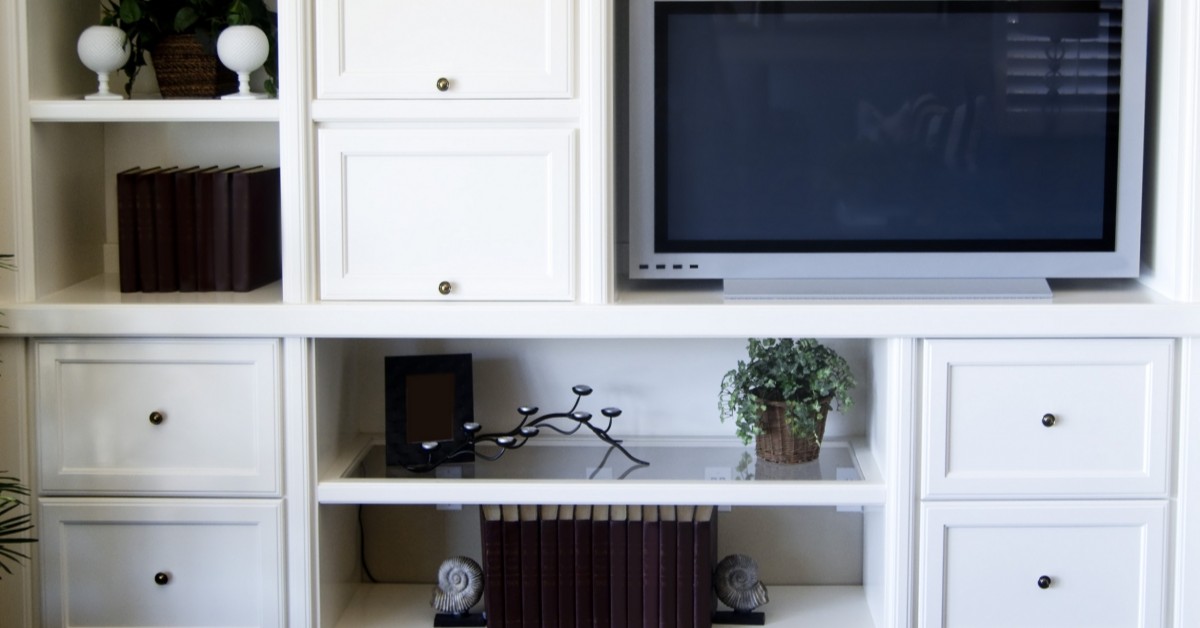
(448, 185)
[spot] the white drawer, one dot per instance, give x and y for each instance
(109, 562)
(158, 417)
(983, 565)
(1037, 418)
(488, 213)
(481, 48)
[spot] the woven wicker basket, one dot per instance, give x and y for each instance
(185, 69)
(777, 443)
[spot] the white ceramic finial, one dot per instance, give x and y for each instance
(243, 49)
(103, 49)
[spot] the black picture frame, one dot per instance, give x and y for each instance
(428, 399)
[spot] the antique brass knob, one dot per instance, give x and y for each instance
(161, 578)
(444, 288)
(156, 418)
(1044, 582)
(1049, 419)
(443, 84)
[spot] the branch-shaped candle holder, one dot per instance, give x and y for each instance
(529, 427)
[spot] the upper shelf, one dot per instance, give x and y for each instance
(845, 474)
(154, 110)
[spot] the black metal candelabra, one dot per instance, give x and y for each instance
(529, 427)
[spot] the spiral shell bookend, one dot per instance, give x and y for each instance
(459, 587)
(737, 584)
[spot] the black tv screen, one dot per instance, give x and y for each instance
(868, 126)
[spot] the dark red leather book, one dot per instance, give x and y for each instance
(492, 540)
(566, 566)
(206, 186)
(255, 247)
(685, 566)
(548, 563)
(510, 517)
(706, 561)
(633, 567)
(650, 540)
(147, 233)
(166, 250)
(222, 229)
(618, 524)
(127, 236)
(531, 579)
(667, 535)
(583, 566)
(185, 227)
(601, 556)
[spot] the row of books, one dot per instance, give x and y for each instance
(198, 229)
(598, 566)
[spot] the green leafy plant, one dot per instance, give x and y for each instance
(13, 524)
(803, 374)
(147, 22)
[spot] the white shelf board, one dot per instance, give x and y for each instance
(175, 110)
(678, 479)
(392, 605)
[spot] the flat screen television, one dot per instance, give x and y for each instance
(890, 146)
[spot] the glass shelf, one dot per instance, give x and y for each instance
(845, 474)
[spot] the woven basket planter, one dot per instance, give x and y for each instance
(777, 443)
(185, 69)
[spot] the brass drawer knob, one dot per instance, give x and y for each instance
(161, 578)
(443, 84)
(444, 288)
(1049, 419)
(156, 418)
(1044, 582)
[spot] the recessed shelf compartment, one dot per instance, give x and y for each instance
(844, 475)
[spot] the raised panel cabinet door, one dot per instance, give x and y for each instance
(445, 48)
(1052, 417)
(158, 417)
(1043, 565)
(162, 562)
(447, 214)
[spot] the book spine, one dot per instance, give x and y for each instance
(601, 578)
(685, 567)
(706, 561)
(185, 229)
(548, 564)
(650, 541)
(492, 538)
(146, 247)
(127, 238)
(164, 231)
(618, 526)
(531, 581)
(668, 534)
(583, 566)
(566, 567)
(633, 567)
(255, 248)
(511, 526)
(221, 231)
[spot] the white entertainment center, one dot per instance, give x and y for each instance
(992, 443)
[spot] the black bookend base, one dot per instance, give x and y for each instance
(468, 619)
(739, 618)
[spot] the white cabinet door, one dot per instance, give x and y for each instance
(1040, 418)
(445, 48)
(447, 214)
(1043, 565)
(109, 562)
(158, 417)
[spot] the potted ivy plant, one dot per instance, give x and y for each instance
(14, 522)
(180, 36)
(782, 395)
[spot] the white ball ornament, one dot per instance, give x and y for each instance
(103, 49)
(243, 48)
